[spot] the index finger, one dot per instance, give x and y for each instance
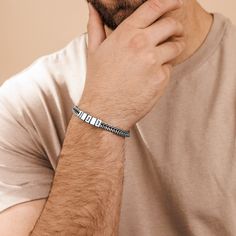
(150, 11)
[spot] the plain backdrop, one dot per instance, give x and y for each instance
(30, 28)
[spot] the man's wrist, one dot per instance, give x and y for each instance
(104, 114)
(92, 120)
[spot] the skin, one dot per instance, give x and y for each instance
(89, 175)
(191, 15)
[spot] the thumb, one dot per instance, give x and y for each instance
(96, 31)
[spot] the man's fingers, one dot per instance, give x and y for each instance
(150, 11)
(168, 27)
(96, 31)
(169, 51)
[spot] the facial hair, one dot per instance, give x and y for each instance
(113, 13)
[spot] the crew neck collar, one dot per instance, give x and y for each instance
(209, 45)
(202, 54)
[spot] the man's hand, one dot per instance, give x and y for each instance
(129, 70)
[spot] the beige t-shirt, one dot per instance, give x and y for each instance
(180, 173)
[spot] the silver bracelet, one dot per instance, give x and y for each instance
(98, 123)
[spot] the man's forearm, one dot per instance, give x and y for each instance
(86, 194)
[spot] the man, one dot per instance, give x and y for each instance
(163, 70)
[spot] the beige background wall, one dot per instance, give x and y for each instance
(30, 28)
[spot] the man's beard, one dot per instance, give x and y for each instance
(113, 13)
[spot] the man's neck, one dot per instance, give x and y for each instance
(197, 23)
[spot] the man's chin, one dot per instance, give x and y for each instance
(114, 14)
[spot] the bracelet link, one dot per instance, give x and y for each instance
(86, 117)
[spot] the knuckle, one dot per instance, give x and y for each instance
(178, 28)
(138, 41)
(174, 25)
(151, 58)
(171, 22)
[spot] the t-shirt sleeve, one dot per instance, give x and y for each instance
(25, 172)
(35, 110)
